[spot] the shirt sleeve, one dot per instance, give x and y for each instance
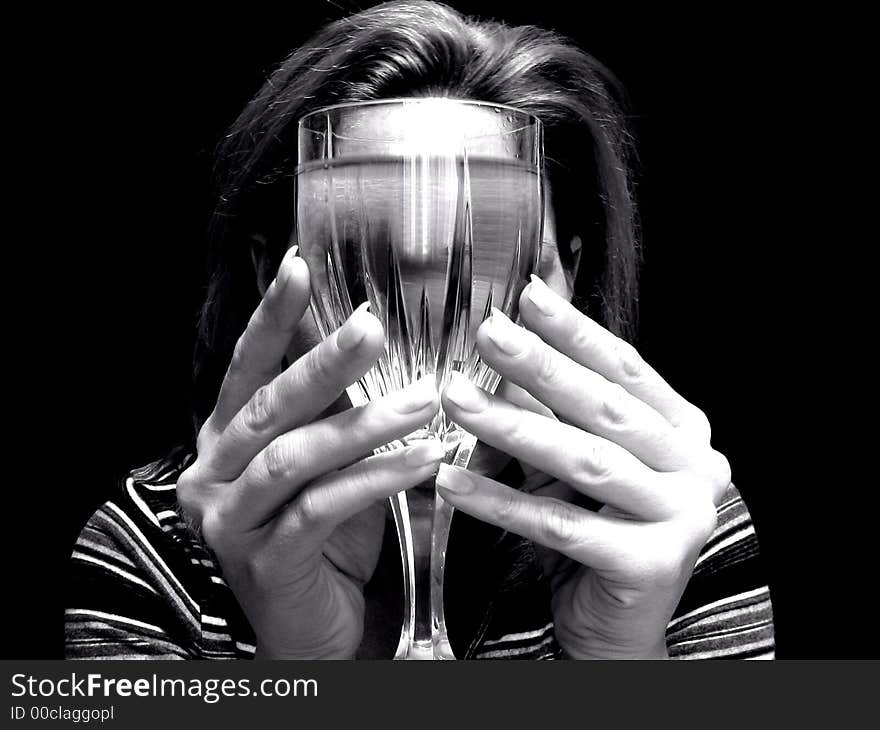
(123, 602)
(726, 611)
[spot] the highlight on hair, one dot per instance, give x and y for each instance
(418, 48)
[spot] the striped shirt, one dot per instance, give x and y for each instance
(142, 586)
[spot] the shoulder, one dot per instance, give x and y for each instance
(146, 503)
(142, 522)
(138, 571)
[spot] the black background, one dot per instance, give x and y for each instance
(127, 110)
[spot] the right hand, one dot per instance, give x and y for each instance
(294, 518)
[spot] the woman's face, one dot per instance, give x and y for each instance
(427, 135)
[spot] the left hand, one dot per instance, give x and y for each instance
(623, 437)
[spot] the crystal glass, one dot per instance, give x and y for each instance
(432, 210)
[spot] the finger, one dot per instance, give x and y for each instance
(292, 460)
(299, 394)
(594, 466)
(586, 342)
(584, 536)
(261, 348)
(512, 393)
(331, 500)
(581, 396)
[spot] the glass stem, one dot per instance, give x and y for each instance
(423, 519)
(439, 539)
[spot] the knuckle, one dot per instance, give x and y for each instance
(277, 459)
(259, 410)
(366, 428)
(517, 435)
(629, 361)
(548, 370)
(558, 524)
(712, 474)
(703, 519)
(186, 494)
(213, 527)
(721, 474)
(690, 531)
(682, 490)
(307, 513)
(613, 406)
(699, 422)
(694, 505)
(190, 494)
(206, 436)
(239, 356)
(505, 508)
(592, 465)
(582, 340)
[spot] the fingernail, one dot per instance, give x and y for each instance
(280, 281)
(424, 453)
(414, 398)
(455, 480)
(541, 296)
(465, 394)
(506, 336)
(352, 333)
(274, 285)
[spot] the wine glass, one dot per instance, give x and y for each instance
(430, 209)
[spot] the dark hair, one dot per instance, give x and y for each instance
(418, 48)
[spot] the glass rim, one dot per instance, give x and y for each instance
(531, 119)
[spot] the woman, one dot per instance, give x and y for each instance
(597, 521)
